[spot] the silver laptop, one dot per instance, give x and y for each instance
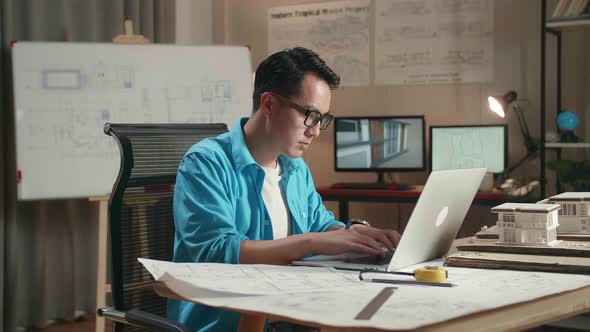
(433, 226)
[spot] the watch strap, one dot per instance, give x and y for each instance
(357, 222)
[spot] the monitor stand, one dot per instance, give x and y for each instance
(380, 184)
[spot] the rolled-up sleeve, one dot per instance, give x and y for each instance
(204, 215)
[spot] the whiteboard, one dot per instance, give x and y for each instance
(64, 93)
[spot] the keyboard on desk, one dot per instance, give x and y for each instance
(372, 260)
(373, 185)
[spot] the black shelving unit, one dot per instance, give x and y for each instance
(554, 28)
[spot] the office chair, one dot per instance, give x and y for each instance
(141, 222)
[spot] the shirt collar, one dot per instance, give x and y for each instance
(239, 150)
(241, 155)
(287, 164)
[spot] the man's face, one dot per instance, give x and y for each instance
(288, 131)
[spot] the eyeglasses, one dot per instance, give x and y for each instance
(312, 117)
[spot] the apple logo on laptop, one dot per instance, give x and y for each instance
(442, 216)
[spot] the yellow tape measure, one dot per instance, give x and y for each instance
(431, 274)
(428, 275)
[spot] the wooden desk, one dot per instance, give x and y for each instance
(344, 196)
(516, 317)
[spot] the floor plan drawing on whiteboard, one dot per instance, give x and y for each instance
(66, 92)
(61, 79)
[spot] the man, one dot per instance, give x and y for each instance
(247, 197)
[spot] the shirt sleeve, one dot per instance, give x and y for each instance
(203, 213)
(321, 218)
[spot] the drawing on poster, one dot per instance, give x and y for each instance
(337, 31)
(429, 41)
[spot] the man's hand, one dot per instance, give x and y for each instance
(387, 237)
(337, 240)
(344, 240)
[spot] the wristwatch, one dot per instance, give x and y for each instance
(357, 222)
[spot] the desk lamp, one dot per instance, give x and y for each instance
(501, 105)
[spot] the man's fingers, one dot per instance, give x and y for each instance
(370, 242)
(382, 237)
(361, 248)
(394, 237)
(385, 237)
(391, 236)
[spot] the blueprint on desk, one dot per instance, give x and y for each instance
(252, 279)
(409, 307)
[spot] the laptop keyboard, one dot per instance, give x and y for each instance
(372, 260)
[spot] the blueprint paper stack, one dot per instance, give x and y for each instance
(570, 254)
(519, 262)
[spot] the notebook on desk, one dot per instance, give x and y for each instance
(432, 227)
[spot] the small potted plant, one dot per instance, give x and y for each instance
(574, 175)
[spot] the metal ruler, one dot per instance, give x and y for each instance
(373, 306)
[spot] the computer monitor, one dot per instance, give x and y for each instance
(380, 144)
(458, 147)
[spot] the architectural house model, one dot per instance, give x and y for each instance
(527, 223)
(574, 214)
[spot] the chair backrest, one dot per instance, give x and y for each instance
(141, 222)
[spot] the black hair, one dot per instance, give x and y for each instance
(284, 71)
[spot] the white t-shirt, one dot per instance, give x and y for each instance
(274, 199)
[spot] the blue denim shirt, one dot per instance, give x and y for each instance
(218, 204)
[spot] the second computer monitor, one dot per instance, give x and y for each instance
(380, 144)
(458, 147)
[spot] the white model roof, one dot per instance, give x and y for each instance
(526, 208)
(571, 196)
